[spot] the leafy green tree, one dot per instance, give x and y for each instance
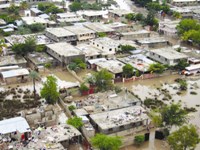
(186, 25)
(157, 68)
(176, 15)
(151, 20)
(181, 65)
(77, 64)
(34, 75)
(171, 115)
(24, 48)
(142, 3)
(139, 17)
(83, 88)
(130, 17)
(75, 122)
(71, 107)
(23, 5)
(139, 139)
(127, 48)
(128, 70)
(104, 142)
(75, 6)
(49, 8)
(185, 138)
(102, 34)
(36, 27)
(13, 9)
(103, 80)
(49, 90)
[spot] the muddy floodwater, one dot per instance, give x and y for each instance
(151, 87)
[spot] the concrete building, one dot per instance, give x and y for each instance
(118, 26)
(14, 76)
(135, 35)
(118, 13)
(61, 35)
(12, 60)
(69, 17)
(152, 42)
(185, 12)
(64, 53)
(82, 33)
(182, 3)
(37, 61)
(138, 61)
(124, 119)
(35, 12)
(168, 27)
(99, 27)
(94, 15)
(167, 56)
(113, 66)
(106, 44)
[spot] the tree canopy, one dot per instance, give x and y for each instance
(103, 80)
(184, 138)
(157, 68)
(127, 48)
(171, 115)
(77, 64)
(181, 65)
(104, 142)
(75, 122)
(151, 20)
(25, 48)
(49, 8)
(49, 90)
(127, 70)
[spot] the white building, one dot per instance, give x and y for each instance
(185, 2)
(167, 56)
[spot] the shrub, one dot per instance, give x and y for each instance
(71, 107)
(139, 139)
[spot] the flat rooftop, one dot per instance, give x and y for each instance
(136, 32)
(15, 39)
(120, 12)
(113, 66)
(152, 40)
(139, 61)
(106, 42)
(79, 30)
(67, 15)
(116, 25)
(11, 60)
(32, 20)
(39, 58)
(169, 53)
(64, 49)
(119, 117)
(94, 13)
(193, 67)
(100, 102)
(88, 50)
(40, 38)
(60, 32)
(98, 27)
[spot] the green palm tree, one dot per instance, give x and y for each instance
(34, 75)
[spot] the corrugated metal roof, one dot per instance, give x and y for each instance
(14, 124)
(14, 73)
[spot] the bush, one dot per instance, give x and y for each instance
(71, 107)
(83, 88)
(139, 139)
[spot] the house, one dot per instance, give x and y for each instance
(83, 34)
(14, 76)
(11, 60)
(167, 56)
(39, 38)
(37, 61)
(113, 66)
(35, 12)
(138, 61)
(94, 15)
(64, 53)
(134, 35)
(2, 22)
(168, 27)
(5, 4)
(99, 28)
(118, 26)
(124, 121)
(15, 128)
(184, 11)
(106, 44)
(182, 3)
(69, 17)
(15, 39)
(152, 42)
(193, 68)
(61, 35)
(118, 13)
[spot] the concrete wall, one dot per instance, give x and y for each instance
(135, 36)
